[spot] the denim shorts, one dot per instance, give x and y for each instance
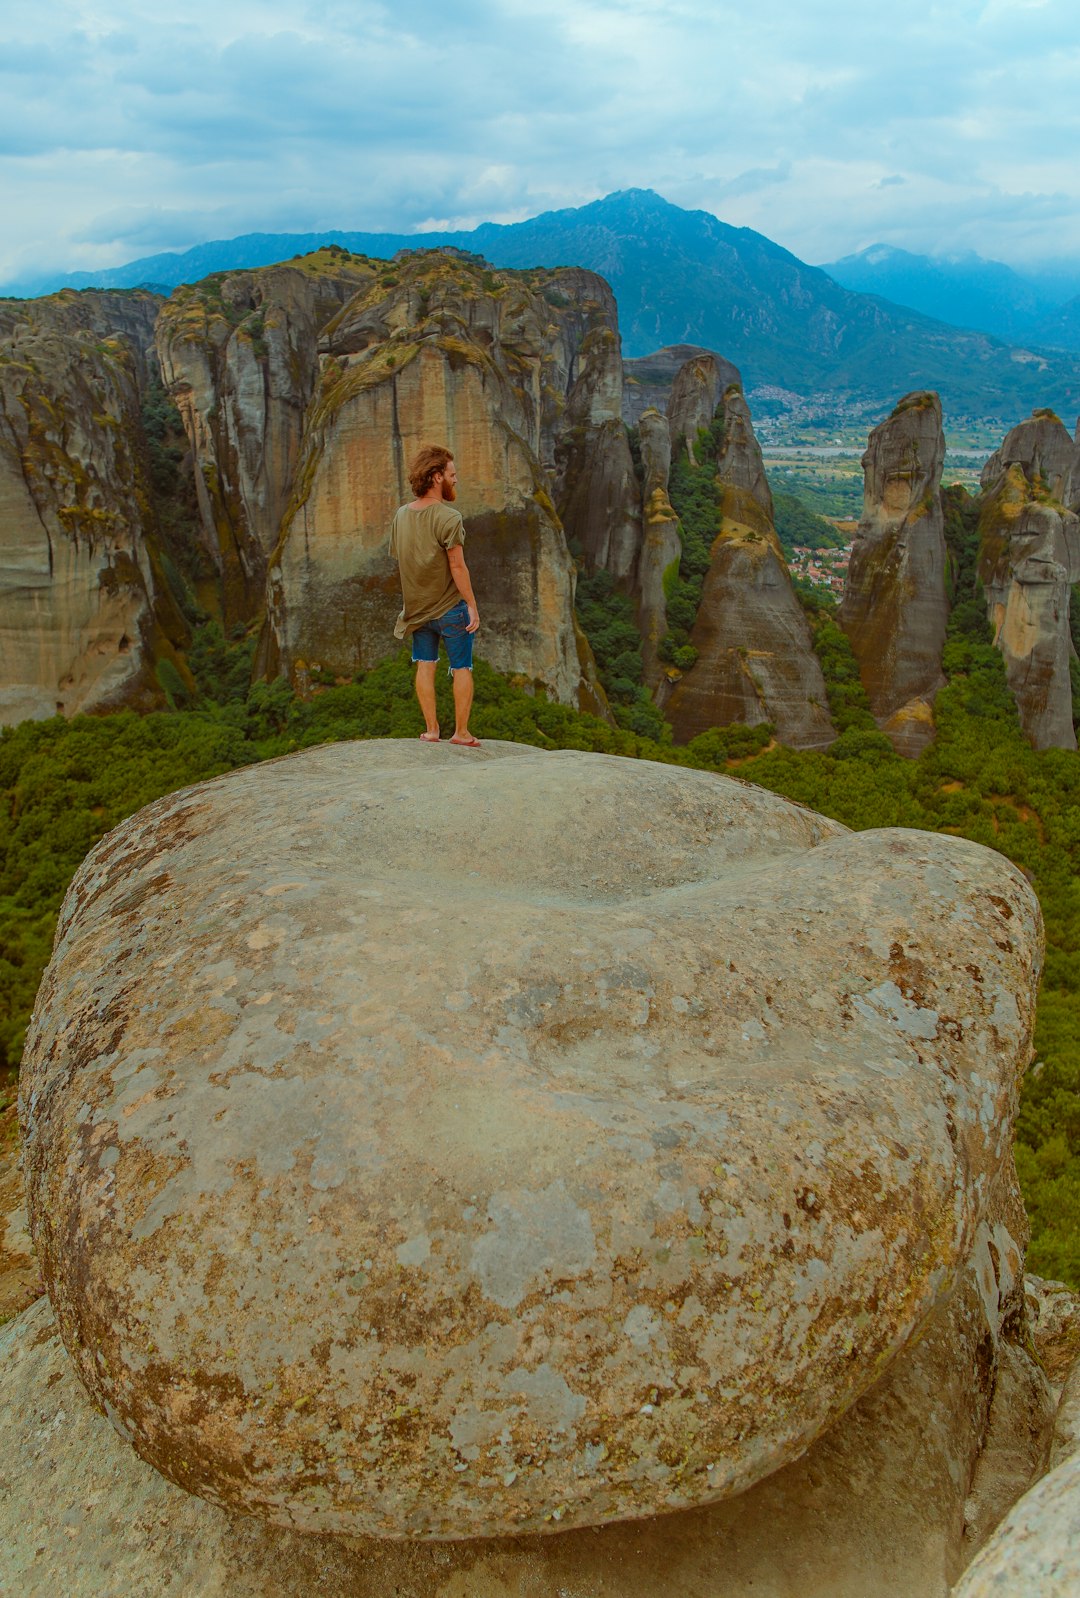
(451, 629)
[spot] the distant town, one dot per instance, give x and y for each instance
(824, 568)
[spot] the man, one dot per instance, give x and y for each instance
(426, 540)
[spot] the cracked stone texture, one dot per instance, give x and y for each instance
(438, 1144)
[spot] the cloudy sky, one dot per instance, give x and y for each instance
(126, 129)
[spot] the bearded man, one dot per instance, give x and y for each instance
(426, 540)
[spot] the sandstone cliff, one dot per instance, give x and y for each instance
(895, 608)
(648, 379)
(1028, 561)
(695, 394)
(84, 609)
(443, 348)
(307, 388)
(239, 354)
(756, 661)
(660, 543)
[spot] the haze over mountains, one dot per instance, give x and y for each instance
(684, 277)
(968, 291)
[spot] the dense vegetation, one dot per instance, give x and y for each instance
(795, 524)
(63, 784)
(695, 495)
(823, 491)
(607, 619)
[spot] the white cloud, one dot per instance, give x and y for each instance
(124, 130)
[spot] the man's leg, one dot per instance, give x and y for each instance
(463, 695)
(425, 693)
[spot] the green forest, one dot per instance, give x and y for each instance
(66, 783)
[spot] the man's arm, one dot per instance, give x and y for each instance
(463, 583)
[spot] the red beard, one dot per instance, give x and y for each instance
(449, 491)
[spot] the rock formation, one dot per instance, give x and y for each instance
(756, 661)
(596, 491)
(239, 354)
(602, 1218)
(84, 609)
(647, 380)
(895, 607)
(308, 388)
(1028, 561)
(695, 395)
(1045, 454)
(660, 542)
(873, 1509)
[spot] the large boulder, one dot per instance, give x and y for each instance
(414, 1149)
(1036, 1552)
(874, 1508)
(895, 607)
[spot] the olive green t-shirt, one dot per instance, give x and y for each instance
(419, 540)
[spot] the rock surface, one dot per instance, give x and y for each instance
(1029, 559)
(239, 353)
(84, 611)
(1036, 1552)
(695, 394)
(648, 379)
(873, 1509)
(895, 607)
(599, 1218)
(756, 661)
(661, 545)
(306, 391)
(1045, 454)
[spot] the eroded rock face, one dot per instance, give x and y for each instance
(648, 379)
(1028, 561)
(307, 389)
(756, 660)
(661, 546)
(397, 1200)
(895, 607)
(696, 392)
(1045, 454)
(83, 612)
(239, 353)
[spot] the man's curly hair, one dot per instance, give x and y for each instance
(431, 460)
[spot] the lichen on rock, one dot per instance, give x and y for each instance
(386, 1186)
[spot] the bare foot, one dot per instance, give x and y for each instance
(430, 737)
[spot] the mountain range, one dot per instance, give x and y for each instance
(685, 277)
(968, 291)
